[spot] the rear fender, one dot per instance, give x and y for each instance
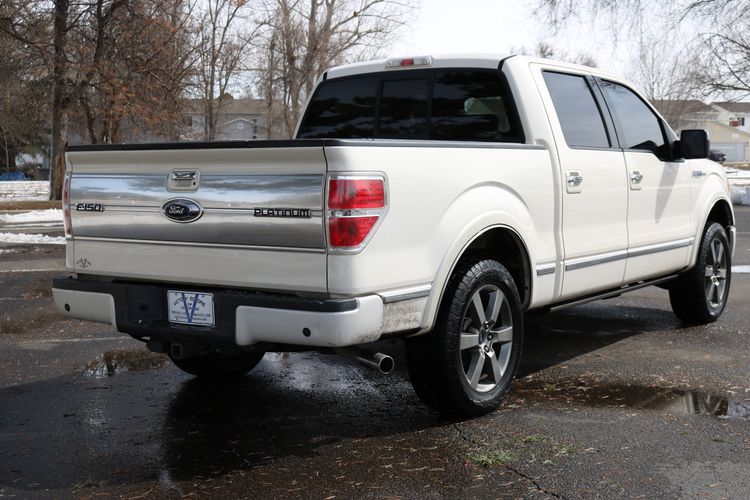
(486, 207)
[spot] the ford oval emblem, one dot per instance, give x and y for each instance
(182, 210)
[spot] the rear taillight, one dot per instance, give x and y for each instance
(355, 206)
(66, 206)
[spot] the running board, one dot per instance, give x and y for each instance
(610, 294)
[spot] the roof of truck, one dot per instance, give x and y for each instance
(478, 60)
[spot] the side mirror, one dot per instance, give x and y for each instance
(693, 144)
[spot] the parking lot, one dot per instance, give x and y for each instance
(615, 399)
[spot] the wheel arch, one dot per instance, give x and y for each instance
(721, 212)
(718, 210)
(500, 242)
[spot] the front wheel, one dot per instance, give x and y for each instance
(217, 365)
(700, 295)
(467, 363)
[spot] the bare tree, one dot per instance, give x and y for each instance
(106, 61)
(225, 33)
(302, 38)
(547, 51)
(22, 101)
(722, 27)
(138, 77)
(669, 76)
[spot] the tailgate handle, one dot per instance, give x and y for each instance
(183, 176)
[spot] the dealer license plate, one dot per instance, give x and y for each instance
(191, 308)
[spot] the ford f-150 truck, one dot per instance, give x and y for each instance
(434, 198)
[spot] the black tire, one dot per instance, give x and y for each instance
(217, 365)
(442, 362)
(696, 296)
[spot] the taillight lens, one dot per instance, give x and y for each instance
(352, 193)
(66, 206)
(355, 204)
(350, 231)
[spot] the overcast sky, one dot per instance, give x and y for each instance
(496, 26)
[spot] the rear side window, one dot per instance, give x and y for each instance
(579, 115)
(451, 105)
(638, 124)
(472, 105)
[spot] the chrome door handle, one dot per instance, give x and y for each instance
(575, 180)
(636, 177)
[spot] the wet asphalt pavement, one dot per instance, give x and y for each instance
(615, 399)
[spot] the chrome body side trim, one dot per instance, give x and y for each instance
(660, 247)
(595, 260)
(414, 292)
(545, 268)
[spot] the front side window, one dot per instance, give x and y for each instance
(580, 118)
(639, 125)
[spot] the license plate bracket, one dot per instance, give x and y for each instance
(191, 308)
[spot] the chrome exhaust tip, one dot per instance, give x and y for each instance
(375, 360)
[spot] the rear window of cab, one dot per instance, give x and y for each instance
(451, 105)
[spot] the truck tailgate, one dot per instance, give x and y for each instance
(219, 214)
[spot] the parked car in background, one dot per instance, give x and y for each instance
(717, 156)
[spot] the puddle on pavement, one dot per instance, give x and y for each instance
(669, 400)
(124, 360)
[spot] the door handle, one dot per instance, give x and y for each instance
(183, 176)
(575, 179)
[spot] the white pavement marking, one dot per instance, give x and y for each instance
(741, 269)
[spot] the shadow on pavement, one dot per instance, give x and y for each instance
(79, 433)
(555, 338)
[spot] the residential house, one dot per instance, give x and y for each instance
(734, 114)
(238, 120)
(685, 113)
(727, 123)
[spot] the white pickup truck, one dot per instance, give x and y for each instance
(434, 198)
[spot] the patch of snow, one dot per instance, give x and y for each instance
(9, 250)
(53, 214)
(33, 239)
(739, 190)
(24, 190)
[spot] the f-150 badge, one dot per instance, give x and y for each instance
(89, 207)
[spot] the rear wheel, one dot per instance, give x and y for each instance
(467, 363)
(700, 295)
(217, 365)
